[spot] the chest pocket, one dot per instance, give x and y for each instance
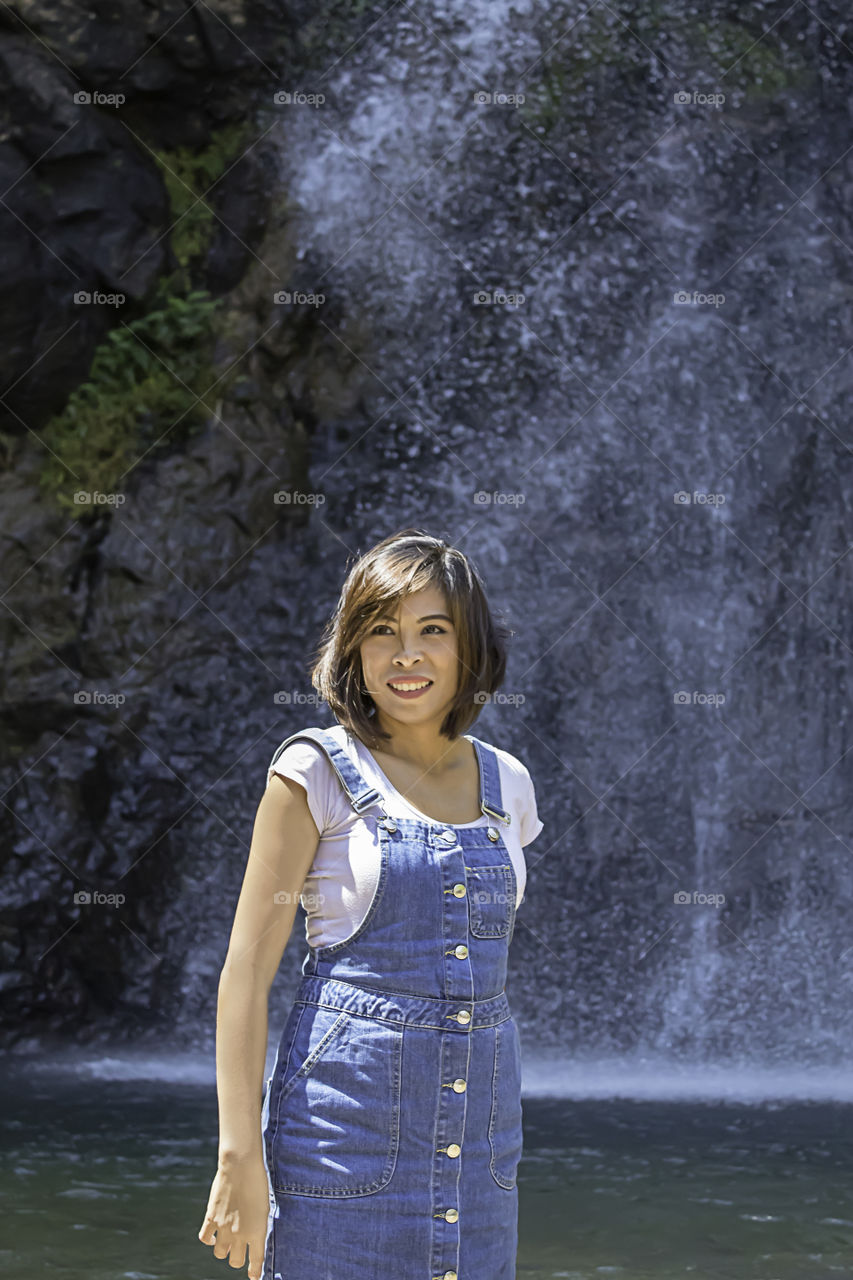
(491, 898)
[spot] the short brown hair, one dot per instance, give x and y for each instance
(404, 562)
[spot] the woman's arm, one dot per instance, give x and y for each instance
(284, 842)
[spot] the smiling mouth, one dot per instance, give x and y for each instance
(410, 693)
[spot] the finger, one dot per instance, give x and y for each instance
(223, 1243)
(208, 1230)
(238, 1253)
(256, 1259)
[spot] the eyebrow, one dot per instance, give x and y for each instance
(425, 618)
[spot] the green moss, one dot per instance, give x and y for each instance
(544, 102)
(187, 175)
(140, 397)
(756, 64)
(141, 394)
(573, 67)
(583, 65)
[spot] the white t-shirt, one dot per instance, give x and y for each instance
(343, 877)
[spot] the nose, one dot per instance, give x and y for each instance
(406, 654)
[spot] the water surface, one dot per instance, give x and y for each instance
(107, 1179)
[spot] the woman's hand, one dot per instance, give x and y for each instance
(238, 1213)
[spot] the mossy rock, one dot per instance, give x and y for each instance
(188, 175)
(145, 390)
(145, 393)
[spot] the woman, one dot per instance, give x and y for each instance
(390, 1133)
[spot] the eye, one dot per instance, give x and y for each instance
(383, 626)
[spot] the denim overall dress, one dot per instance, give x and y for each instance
(392, 1121)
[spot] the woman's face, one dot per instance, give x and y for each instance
(417, 643)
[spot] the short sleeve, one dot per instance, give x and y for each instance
(531, 823)
(308, 764)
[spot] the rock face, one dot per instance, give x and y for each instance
(86, 209)
(85, 97)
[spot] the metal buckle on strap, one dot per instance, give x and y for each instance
(366, 800)
(497, 813)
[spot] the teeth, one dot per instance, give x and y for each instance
(407, 688)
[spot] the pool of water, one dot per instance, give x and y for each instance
(652, 1190)
(108, 1180)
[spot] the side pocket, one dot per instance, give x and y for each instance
(338, 1127)
(280, 1074)
(308, 1062)
(505, 1125)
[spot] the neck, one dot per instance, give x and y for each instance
(422, 748)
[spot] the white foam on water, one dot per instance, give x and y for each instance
(543, 1077)
(115, 1064)
(667, 1082)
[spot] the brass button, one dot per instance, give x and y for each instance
(461, 951)
(452, 1215)
(459, 1086)
(493, 834)
(449, 1275)
(459, 891)
(463, 1016)
(449, 836)
(454, 1150)
(389, 824)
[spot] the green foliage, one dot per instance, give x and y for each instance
(188, 175)
(141, 396)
